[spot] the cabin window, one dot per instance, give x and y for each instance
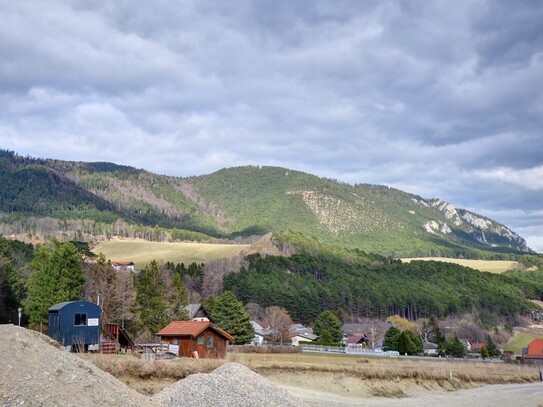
(200, 341)
(209, 342)
(176, 341)
(80, 319)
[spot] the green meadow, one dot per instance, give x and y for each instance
(142, 252)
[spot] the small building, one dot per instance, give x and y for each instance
(534, 351)
(123, 265)
(75, 324)
(299, 337)
(429, 349)
(353, 340)
(201, 339)
(197, 312)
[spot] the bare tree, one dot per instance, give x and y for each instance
(374, 332)
(279, 321)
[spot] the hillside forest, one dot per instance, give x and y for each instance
(314, 278)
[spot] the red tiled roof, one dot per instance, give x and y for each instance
(535, 348)
(191, 328)
(122, 263)
(355, 338)
(477, 346)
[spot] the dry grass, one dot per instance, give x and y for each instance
(492, 266)
(389, 368)
(338, 374)
(130, 366)
(142, 252)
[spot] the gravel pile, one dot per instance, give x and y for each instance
(35, 373)
(231, 384)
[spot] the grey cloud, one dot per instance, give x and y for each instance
(434, 98)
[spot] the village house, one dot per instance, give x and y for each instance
(534, 351)
(123, 265)
(429, 349)
(197, 312)
(198, 339)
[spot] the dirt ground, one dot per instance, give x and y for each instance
(514, 395)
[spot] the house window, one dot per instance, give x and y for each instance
(200, 341)
(80, 319)
(209, 342)
(176, 341)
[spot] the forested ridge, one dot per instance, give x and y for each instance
(81, 201)
(368, 285)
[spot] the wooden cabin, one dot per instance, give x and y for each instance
(200, 339)
(75, 324)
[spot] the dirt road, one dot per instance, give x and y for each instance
(514, 395)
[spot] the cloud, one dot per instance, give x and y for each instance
(435, 98)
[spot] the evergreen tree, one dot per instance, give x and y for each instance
(328, 322)
(391, 339)
(484, 352)
(56, 276)
(408, 343)
(150, 301)
(180, 299)
(229, 314)
(456, 348)
(493, 351)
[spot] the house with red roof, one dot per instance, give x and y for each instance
(534, 351)
(198, 339)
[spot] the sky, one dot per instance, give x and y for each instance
(442, 99)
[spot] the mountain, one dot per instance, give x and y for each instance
(81, 200)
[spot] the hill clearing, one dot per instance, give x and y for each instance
(492, 266)
(142, 252)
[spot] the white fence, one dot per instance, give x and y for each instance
(347, 350)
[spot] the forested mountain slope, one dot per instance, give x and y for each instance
(83, 200)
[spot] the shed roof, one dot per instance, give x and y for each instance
(61, 305)
(191, 328)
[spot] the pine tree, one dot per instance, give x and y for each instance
(328, 322)
(493, 351)
(229, 314)
(456, 348)
(56, 276)
(150, 301)
(391, 339)
(180, 299)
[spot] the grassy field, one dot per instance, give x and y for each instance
(493, 266)
(142, 252)
(338, 374)
(519, 341)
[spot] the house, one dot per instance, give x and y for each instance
(261, 331)
(534, 351)
(476, 347)
(75, 324)
(198, 313)
(353, 340)
(123, 265)
(429, 349)
(200, 339)
(302, 337)
(467, 344)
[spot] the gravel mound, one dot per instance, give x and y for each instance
(35, 373)
(231, 384)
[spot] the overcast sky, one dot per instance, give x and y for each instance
(442, 99)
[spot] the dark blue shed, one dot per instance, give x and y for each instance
(75, 323)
